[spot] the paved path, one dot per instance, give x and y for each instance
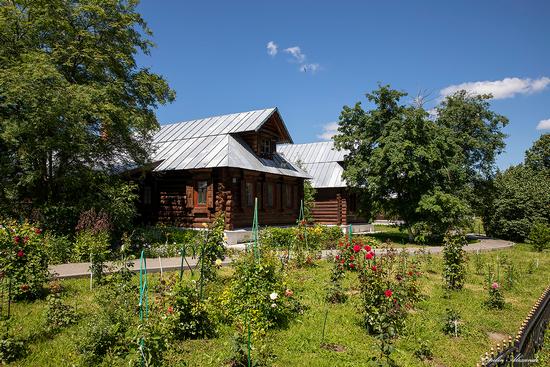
(76, 270)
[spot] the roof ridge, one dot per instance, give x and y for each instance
(216, 116)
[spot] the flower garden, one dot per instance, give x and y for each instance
(278, 304)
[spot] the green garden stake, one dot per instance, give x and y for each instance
(182, 252)
(143, 300)
(255, 230)
(301, 219)
(349, 233)
(201, 280)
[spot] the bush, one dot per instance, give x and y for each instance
(495, 298)
(59, 249)
(93, 247)
(22, 258)
(319, 237)
(99, 337)
(454, 258)
(59, 314)
(258, 291)
(451, 325)
(164, 241)
(11, 348)
(212, 248)
(539, 236)
(187, 314)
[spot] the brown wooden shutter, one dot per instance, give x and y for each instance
(189, 193)
(210, 196)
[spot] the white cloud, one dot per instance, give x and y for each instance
(310, 68)
(272, 48)
(296, 52)
(544, 125)
(500, 89)
(329, 130)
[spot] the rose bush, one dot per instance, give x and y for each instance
(23, 260)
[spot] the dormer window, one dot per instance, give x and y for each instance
(265, 148)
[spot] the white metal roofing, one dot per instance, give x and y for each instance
(320, 160)
(214, 142)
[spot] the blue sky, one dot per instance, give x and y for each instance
(215, 55)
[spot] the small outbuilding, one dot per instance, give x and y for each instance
(222, 163)
(334, 202)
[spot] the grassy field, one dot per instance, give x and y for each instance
(300, 343)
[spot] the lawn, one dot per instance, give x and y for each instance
(300, 343)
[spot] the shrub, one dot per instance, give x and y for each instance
(149, 343)
(164, 241)
(388, 288)
(187, 313)
(59, 314)
(258, 292)
(11, 348)
(539, 236)
(423, 351)
(318, 237)
(59, 249)
(212, 248)
(335, 293)
(451, 325)
(352, 255)
(22, 258)
(93, 247)
(495, 298)
(454, 258)
(99, 337)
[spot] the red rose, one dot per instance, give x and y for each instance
(37, 231)
(388, 293)
(356, 248)
(368, 248)
(342, 261)
(340, 244)
(20, 253)
(25, 239)
(170, 310)
(373, 268)
(369, 256)
(352, 266)
(337, 257)
(16, 239)
(352, 257)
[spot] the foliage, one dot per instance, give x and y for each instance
(164, 241)
(58, 248)
(522, 195)
(75, 106)
(187, 314)
(319, 237)
(454, 258)
(212, 248)
(424, 351)
(59, 314)
(94, 248)
(149, 343)
(539, 236)
(452, 323)
(419, 169)
(309, 200)
(99, 337)
(22, 258)
(495, 299)
(389, 287)
(258, 293)
(11, 348)
(352, 255)
(335, 292)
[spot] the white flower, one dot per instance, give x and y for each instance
(273, 305)
(273, 296)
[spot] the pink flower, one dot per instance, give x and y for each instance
(25, 239)
(170, 310)
(356, 248)
(289, 293)
(388, 293)
(494, 285)
(368, 248)
(369, 256)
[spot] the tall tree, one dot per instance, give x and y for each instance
(74, 104)
(407, 165)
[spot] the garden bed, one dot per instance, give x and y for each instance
(346, 343)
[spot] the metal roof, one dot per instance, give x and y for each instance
(217, 125)
(320, 160)
(214, 142)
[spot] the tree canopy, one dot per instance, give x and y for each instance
(414, 167)
(74, 104)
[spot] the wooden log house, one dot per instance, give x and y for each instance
(222, 163)
(334, 203)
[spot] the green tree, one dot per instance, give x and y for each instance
(408, 165)
(74, 105)
(521, 195)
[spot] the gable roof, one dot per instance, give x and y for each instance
(321, 160)
(221, 125)
(215, 142)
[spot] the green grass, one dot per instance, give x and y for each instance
(300, 343)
